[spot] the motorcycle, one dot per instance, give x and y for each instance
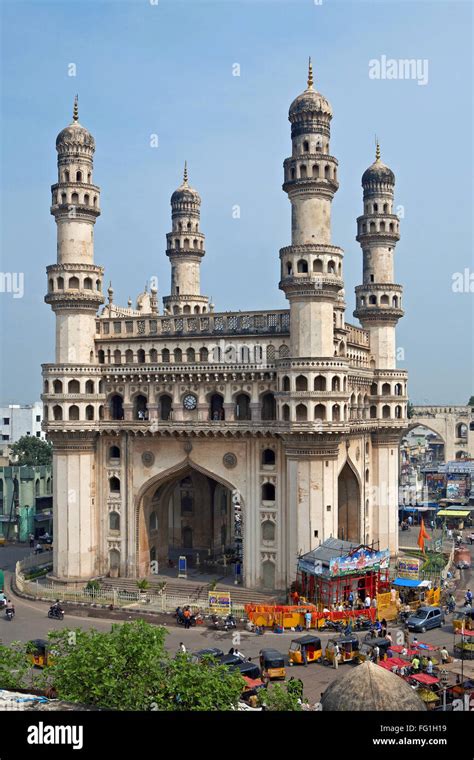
(56, 612)
(363, 624)
(9, 613)
(331, 625)
(180, 618)
(223, 624)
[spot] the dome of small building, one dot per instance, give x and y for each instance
(378, 172)
(75, 134)
(310, 101)
(370, 688)
(184, 191)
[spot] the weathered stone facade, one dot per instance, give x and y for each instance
(162, 423)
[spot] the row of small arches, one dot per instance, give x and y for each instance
(380, 226)
(73, 386)
(302, 267)
(320, 383)
(74, 283)
(301, 412)
(74, 198)
(190, 355)
(383, 300)
(80, 176)
(197, 244)
(302, 171)
(179, 226)
(215, 402)
(373, 208)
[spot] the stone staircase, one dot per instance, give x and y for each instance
(195, 591)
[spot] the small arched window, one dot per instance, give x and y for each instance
(73, 386)
(301, 383)
(141, 356)
(319, 412)
(89, 412)
(74, 412)
(319, 383)
(285, 385)
(268, 492)
(302, 266)
(203, 355)
(165, 356)
(114, 452)
(190, 355)
(285, 411)
(301, 412)
(114, 485)
(268, 457)
(73, 283)
(177, 355)
(114, 521)
(306, 146)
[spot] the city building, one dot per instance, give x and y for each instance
(17, 420)
(25, 501)
(250, 435)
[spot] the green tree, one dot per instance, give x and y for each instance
(118, 670)
(128, 668)
(199, 686)
(14, 666)
(279, 698)
(471, 401)
(409, 410)
(31, 451)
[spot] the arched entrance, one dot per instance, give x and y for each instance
(348, 495)
(187, 513)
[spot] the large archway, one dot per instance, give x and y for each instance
(348, 496)
(187, 513)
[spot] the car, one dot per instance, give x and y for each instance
(201, 653)
(425, 618)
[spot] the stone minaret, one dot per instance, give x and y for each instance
(71, 384)
(311, 267)
(379, 300)
(75, 282)
(185, 249)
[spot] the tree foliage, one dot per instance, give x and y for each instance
(31, 451)
(128, 668)
(14, 666)
(198, 686)
(281, 698)
(471, 401)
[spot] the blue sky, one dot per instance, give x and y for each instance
(167, 69)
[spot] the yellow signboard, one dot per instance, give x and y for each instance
(219, 602)
(409, 568)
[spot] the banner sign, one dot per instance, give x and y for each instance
(359, 561)
(219, 602)
(409, 568)
(182, 567)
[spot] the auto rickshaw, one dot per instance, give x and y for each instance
(272, 664)
(465, 619)
(309, 646)
(38, 653)
(366, 651)
(348, 647)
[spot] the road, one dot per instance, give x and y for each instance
(31, 622)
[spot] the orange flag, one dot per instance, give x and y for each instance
(421, 536)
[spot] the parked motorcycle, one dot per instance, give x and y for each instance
(9, 613)
(223, 624)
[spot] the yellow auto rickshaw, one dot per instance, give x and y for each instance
(272, 664)
(348, 649)
(38, 653)
(463, 619)
(306, 648)
(367, 649)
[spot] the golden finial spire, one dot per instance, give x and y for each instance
(310, 74)
(185, 175)
(75, 113)
(377, 149)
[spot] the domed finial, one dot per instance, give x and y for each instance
(185, 175)
(377, 149)
(75, 113)
(310, 74)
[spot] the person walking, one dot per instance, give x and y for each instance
(182, 648)
(337, 651)
(32, 541)
(376, 653)
(444, 655)
(351, 600)
(468, 596)
(367, 602)
(429, 666)
(307, 619)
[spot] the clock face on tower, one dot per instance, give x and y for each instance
(189, 402)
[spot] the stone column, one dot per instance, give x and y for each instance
(76, 541)
(385, 458)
